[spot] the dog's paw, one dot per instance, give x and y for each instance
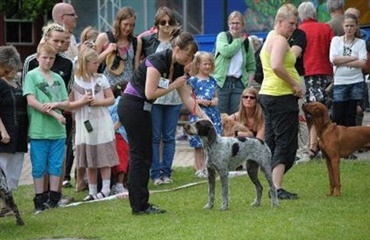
(256, 203)
(208, 206)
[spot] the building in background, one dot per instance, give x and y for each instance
(203, 18)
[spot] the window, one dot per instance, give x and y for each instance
(18, 31)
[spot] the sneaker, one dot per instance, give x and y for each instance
(157, 182)
(67, 184)
(167, 180)
(285, 195)
(89, 198)
(118, 189)
(152, 209)
(202, 173)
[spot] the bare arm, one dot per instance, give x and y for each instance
(47, 108)
(278, 51)
(189, 102)
(107, 101)
(100, 42)
(152, 91)
(5, 138)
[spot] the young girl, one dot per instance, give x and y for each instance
(119, 171)
(46, 95)
(204, 90)
(90, 97)
(348, 55)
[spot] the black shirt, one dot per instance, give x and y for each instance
(298, 38)
(162, 62)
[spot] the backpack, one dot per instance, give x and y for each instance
(258, 75)
(230, 39)
(111, 39)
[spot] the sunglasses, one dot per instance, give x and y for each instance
(249, 97)
(164, 22)
(70, 14)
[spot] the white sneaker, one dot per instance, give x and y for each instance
(202, 173)
(157, 182)
(167, 180)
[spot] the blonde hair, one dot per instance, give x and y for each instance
(47, 47)
(236, 14)
(85, 56)
(258, 116)
(48, 29)
(286, 11)
(198, 57)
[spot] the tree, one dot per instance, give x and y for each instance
(26, 9)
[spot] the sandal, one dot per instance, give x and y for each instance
(89, 198)
(100, 195)
(313, 153)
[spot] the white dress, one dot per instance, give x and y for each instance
(94, 149)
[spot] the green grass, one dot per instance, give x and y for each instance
(312, 216)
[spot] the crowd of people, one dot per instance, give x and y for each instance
(111, 102)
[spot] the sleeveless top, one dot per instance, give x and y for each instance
(272, 84)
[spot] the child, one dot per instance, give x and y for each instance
(120, 171)
(46, 95)
(204, 89)
(90, 97)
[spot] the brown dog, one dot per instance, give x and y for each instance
(230, 126)
(335, 141)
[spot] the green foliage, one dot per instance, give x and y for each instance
(312, 216)
(26, 9)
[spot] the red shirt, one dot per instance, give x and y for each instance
(316, 55)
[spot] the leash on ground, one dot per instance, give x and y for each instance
(125, 194)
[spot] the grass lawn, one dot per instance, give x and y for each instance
(312, 216)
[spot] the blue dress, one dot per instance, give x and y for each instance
(204, 89)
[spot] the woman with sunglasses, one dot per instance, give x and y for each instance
(250, 114)
(166, 109)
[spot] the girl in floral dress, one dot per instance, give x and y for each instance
(204, 90)
(95, 148)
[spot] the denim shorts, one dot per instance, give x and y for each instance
(347, 92)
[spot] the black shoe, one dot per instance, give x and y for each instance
(39, 203)
(285, 195)
(351, 157)
(152, 209)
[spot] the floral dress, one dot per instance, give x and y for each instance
(96, 148)
(204, 89)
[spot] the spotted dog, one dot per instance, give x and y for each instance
(227, 153)
(7, 197)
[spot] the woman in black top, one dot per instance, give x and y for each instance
(13, 117)
(157, 75)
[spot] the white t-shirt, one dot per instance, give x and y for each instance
(343, 74)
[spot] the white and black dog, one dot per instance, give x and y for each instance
(225, 154)
(7, 197)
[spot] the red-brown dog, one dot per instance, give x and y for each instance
(335, 141)
(230, 126)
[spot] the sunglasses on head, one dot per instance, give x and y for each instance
(164, 22)
(249, 97)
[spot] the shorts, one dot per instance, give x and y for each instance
(47, 156)
(348, 92)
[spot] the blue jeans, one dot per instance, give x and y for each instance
(164, 120)
(229, 95)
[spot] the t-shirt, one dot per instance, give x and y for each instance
(344, 74)
(298, 38)
(43, 126)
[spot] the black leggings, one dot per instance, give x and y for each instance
(344, 113)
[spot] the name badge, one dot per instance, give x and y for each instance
(163, 83)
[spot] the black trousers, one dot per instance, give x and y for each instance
(138, 125)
